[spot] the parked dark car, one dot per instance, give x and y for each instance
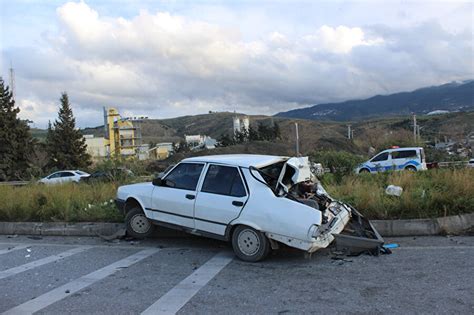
(108, 175)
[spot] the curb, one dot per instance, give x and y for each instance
(75, 229)
(454, 225)
(457, 225)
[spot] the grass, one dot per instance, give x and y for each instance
(70, 203)
(430, 194)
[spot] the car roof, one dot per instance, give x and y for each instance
(243, 160)
(403, 148)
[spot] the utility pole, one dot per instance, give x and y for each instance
(349, 134)
(12, 80)
(297, 140)
(414, 128)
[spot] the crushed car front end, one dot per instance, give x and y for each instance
(340, 222)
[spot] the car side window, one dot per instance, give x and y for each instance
(404, 154)
(66, 174)
(55, 175)
(184, 176)
(380, 157)
(223, 180)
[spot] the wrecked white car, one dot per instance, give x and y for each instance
(255, 201)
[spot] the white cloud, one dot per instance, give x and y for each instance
(340, 39)
(162, 64)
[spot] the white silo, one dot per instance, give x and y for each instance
(245, 123)
(236, 124)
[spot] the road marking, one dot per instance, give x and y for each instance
(176, 298)
(43, 261)
(74, 286)
(14, 248)
(436, 247)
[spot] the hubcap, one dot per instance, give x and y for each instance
(140, 224)
(248, 242)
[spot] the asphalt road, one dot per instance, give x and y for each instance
(57, 275)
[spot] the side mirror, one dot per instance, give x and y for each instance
(157, 181)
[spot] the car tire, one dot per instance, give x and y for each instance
(364, 171)
(249, 244)
(410, 168)
(137, 224)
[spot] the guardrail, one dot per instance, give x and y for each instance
(14, 183)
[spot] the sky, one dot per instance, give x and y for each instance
(166, 59)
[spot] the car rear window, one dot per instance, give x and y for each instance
(223, 180)
(405, 154)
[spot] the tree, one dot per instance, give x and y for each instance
(65, 144)
(224, 140)
(16, 143)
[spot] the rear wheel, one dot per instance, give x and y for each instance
(364, 171)
(249, 244)
(137, 224)
(410, 168)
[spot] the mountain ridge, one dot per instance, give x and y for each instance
(453, 96)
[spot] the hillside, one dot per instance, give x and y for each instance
(451, 97)
(314, 135)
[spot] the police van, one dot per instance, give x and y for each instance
(395, 159)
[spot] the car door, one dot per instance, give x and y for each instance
(380, 162)
(66, 177)
(173, 201)
(403, 158)
(54, 178)
(221, 198)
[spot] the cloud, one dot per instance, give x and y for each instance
(162, 64)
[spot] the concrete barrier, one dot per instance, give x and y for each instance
(456, 225)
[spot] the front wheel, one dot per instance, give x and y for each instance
(249, 244)
(137, 224)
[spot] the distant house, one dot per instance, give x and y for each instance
(200, 142)
(161, 151)
(96, 146)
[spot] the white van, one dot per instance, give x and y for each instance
(395, 159)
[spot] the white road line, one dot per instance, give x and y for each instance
(74, 286)
(43, 261)
(14, 248)
(436, 247)
(176, 298)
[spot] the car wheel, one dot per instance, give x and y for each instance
(410, 168)
(364, 171)
(249, 244)
(137, 224)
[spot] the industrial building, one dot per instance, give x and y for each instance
(241, 124)
(122, 137)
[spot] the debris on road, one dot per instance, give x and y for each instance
(393, 190)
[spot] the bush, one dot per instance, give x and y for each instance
(69, 202)
(340, 163)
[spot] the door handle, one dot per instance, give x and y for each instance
(190, 197)
(237, 203)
